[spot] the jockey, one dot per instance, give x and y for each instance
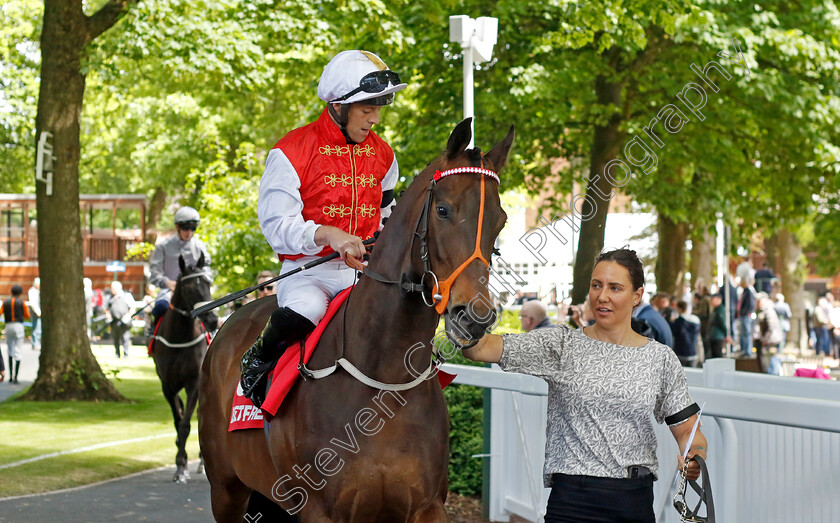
(163, 264)
(327, 186)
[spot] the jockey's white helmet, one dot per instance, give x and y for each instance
(186, 214)
(356, 76)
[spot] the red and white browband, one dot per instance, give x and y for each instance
(462, 170)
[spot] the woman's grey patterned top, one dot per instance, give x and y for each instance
(600, 398)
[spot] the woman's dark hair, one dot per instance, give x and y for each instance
(628, 259)
(17, 290)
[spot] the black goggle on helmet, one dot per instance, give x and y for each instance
(375, 82)
(189, 225)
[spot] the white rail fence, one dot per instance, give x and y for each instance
(774, 445)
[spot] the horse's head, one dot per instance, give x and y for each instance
(463, 217)
(193, 288)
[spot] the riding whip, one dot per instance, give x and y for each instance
(244, 292)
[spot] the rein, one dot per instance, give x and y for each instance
(205, 335)
(439, 289)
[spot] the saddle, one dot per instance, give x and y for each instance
(244, 415)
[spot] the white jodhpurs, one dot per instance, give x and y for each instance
(308, 292)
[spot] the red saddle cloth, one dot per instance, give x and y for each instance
(245, 416)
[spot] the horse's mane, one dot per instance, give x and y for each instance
(390, 243)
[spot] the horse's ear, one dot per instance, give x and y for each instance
(200, 263)
(459, 139)
(499, 154)
(181, 264)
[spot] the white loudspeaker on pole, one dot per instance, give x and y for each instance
(477, 38)
(44, 161)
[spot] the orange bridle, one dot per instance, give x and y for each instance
(441, 290)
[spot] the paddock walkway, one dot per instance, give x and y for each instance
(146, 496)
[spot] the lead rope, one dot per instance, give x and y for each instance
(705, 493)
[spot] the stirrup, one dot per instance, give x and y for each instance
(705, 492)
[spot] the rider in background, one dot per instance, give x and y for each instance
(326, 187)
(163, 264)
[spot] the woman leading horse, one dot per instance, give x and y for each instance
(339, 449)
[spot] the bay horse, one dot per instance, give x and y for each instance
(378, 455)
(178, 347)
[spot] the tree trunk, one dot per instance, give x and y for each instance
(670, 256)
(793, 269)
(68, 369)
(154, 214)
(596, 204)
(702, 258)
(771, 248)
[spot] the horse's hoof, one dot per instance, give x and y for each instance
(200, 468)
(181, 477)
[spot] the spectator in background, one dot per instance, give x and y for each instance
(733, 301)
(745, 271)
(35, 312)
(660, 302)
(717, 328)
(146, 307)
(764, 279)
(88, 284)
(686, 330)
(660, 328)
(833, 326)
(703, 309)
(119, 310)
(534, 315)
(834, 320)
(581, 315)
(820, 325)
(15, 311)
(268, 290)
(744, 312)
(769, 326)
(687, 297)
(98, 301)
(783, 312)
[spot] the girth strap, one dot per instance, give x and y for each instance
(202, 336)
(359, 375)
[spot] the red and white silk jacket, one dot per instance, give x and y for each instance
(313, 177)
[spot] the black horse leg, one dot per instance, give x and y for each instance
(177, 406)
(200, 468)
(184, 428)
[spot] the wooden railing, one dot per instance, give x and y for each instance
(95, 249)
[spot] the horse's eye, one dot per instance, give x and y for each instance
(442, 211)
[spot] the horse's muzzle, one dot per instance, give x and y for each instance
(465, 327)
(210, 321)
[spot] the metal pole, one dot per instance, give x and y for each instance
(469, 109)
(727, 283)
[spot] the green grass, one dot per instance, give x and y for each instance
(31, 429)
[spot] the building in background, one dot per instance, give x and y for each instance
(111, 225)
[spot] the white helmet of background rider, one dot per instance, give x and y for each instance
(357, 76)
(187, 218)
